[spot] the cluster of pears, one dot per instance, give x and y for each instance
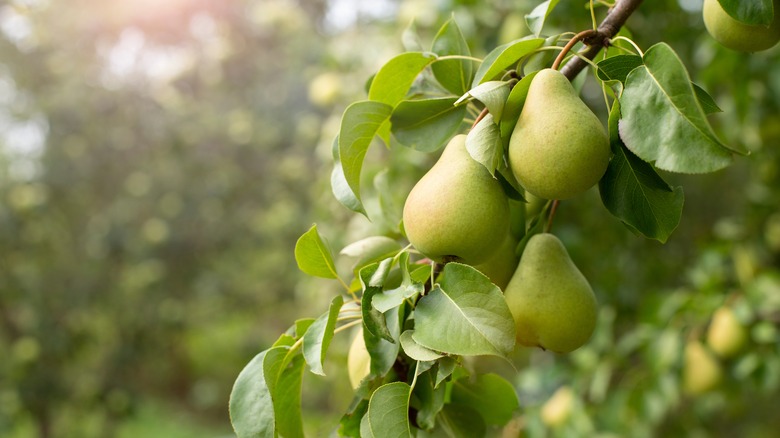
(459, 212)
(726, 337)
(737, 35)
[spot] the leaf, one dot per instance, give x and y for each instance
(371, 278)
(453, 74)
(266, 397)
(492, 93)
(618, 67)
(503, 57)
(393, 80)
(371, 250)
(428, 400)
(408, 290)
(634, 193)
(460, 421)
(662, 120)
(383, 353)
(302, 325)
(415, 350)
(755, 12)
(706, 101)
(490, 394)
(350, 422)
(359, 124)
(536, 18)
(317, 339)
(426, 125)
(513, 107)
(445, 369)
(313, 257)
(465, 314)
(339, 186)
(388, 411)
(484, 144)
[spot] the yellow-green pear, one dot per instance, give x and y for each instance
(502, 264)
(358, 360)
(551, 301)
(726, 335)
(457, 211)
(559, 148)
(557, 409)
(737, 35)
(701, 370)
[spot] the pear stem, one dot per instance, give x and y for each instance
(553, 209)
(577, 38)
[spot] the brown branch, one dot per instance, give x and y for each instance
(616, 18)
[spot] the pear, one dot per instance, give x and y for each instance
(551, 301)
(701, 370)
(726, 335)
(358, 360)
(558, 148)
(737, 35)
(457, 211)
(557, 409)
(500, 267)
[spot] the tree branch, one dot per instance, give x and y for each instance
(616, 18)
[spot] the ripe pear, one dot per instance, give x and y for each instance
(701, 370)
(726, 335)
(558, 148)
(557, 409)
(551, 301)
(502, 264)
(737, 35)
(358, 360)
(457, 211)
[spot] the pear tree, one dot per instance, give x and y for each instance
(478, 270)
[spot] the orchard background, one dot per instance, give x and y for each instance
(158, 162)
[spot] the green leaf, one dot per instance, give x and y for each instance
(393, 80)
(384, 353)
(408, 290)
(428, 400)
(503, 57)
(490, 394)
(302, 325)
(453, 74)
(371, 250)
(460, 421)
(618, 67)
(388, 411)
(339, 186)
(350, 422)
(426, 125)
(755, 12)
(662, 120)
(415, 350)
(359, 124)
(317, 339)
(536, 18)
(266, 397)
(371, 279)
(313, 256)
(445, 369)
(465, 314)
(514, 106)
(634, 193)
(492, 93)
(484, 144)
(706, 101)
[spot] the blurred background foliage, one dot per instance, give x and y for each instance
(158, 160)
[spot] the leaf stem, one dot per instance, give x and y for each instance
(348, 325)
(468, 58)
(629, 41)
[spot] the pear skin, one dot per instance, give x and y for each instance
(502, 265)
(740, 36)
(726, 335)
(701, 370)
(358, 360)
(559, 148)
(457, 211)
(552, 303)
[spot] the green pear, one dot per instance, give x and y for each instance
(737, 35)
(358, 360)
(457, 211)
(502, 264)
(726, 335)
(551, 301)
(701, 370)
(558, 148)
